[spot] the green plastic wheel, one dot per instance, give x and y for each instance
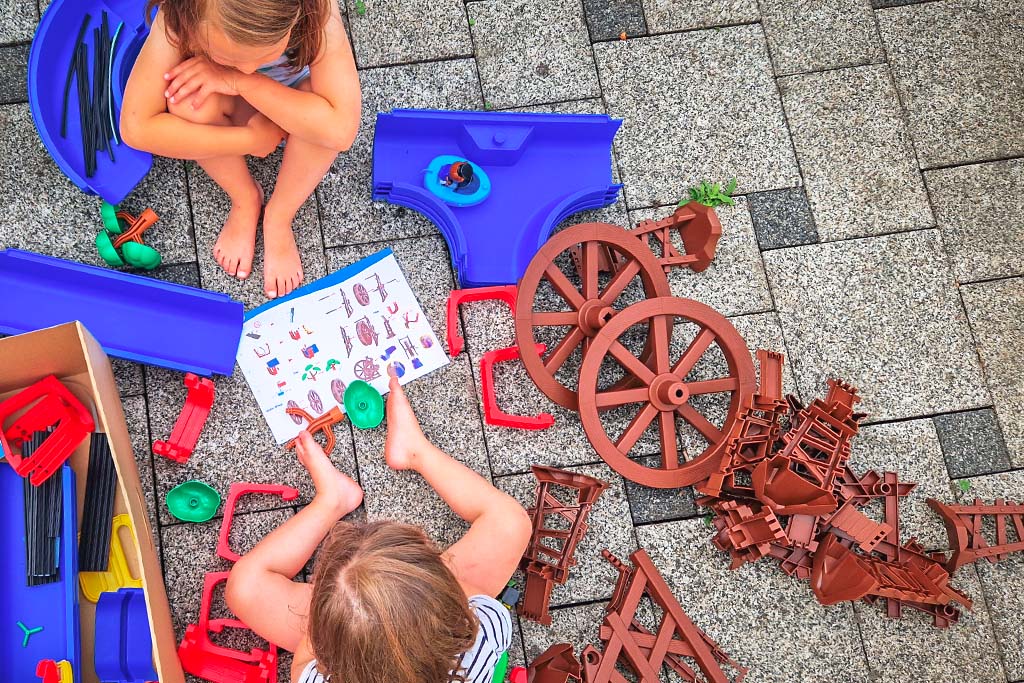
(110, 221)
(140, 255)
(364, 405)
(105, 247)
(193, 501)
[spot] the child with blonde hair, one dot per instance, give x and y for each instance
(219, 80)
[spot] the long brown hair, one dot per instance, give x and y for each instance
(252, 23)
(385, 607)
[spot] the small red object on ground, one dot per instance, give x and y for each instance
(506, 293)
(494, 415)
(518, 675)
(236, 491)
(964, 525)
(320, 424)
(557, 664)
(47, 403)
(190, 422)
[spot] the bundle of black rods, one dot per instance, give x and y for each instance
(44, 516)
(98, 512)
(95, 109)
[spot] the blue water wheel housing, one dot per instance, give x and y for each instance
(48, 62)
(474, 193)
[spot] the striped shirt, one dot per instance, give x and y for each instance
(282, 73)
(492, 639)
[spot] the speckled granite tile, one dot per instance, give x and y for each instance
(945, 58)
(401, 31)
(982, 227)
(881, 313)
(972, 443)
(19, 20)
(529, 52)
(138, 430)
(811, 36)
(996, 311)
(734, 283)
(647, 505)
(763, 331)
(762, 618)
(128, 376)
(13, 74)
(782, 218)
(347, 214)
(610, 526)
(663, 150)
(855, 153)
(577, 625)
(608, 19)
(667, 16)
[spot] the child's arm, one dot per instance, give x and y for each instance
(485, 558)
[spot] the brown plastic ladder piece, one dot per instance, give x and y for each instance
(964, 524)
(557, 664)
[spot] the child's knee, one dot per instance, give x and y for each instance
(213, 110)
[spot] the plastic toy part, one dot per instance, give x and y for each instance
(98, 508)
(137, 318)
(123, 647)
(45, 404)
(190, 422)
(50, 671)
(521, 154)
(43, 508)
(964, 524)
(494, 415)
(557, 664)
(456, 181)
(698, 227)
(506, 293)
(500, 668)
(364, 405)
(126, 245)
(193, 501)
(236, 491)
(323, 424)
(518, 675)
(118, 575)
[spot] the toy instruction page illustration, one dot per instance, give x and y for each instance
(304, 350)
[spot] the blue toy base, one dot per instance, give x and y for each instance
(449, 194)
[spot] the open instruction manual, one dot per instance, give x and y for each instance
(303, 350)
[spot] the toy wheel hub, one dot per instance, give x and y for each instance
(668, 392)
(594, 315)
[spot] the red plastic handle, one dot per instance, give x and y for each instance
(236, 491)
(493, 415)
(506, 293)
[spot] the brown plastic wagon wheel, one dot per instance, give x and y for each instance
(662, 391)
(584, 309)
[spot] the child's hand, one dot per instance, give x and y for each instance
(333, 487)
(200, 76)
(266, 135)
(405, 439)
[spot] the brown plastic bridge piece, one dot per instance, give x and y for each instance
(550, 553)
(557, 664)
(699, 229)
(964, 527)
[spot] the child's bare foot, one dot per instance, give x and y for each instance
(333, 486)
(405, 438)
(237, 239)
(282, 267)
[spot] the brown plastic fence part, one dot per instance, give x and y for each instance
(855, 526)
(964, 528)
(585, 309)
(551, 551)
(662, 391)
(557, 664)
(699, 229)
(745, 531)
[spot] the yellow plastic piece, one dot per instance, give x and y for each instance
(118, 575)
(64, 672)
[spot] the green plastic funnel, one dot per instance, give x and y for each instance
(193, 501)
(364, 405)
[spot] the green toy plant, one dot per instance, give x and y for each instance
(712, 194)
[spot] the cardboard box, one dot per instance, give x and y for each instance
(70, 352)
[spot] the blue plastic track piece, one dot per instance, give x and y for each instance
(133, 317)
(54, 606)
(542, 169)
(123, 644)
(47, 67)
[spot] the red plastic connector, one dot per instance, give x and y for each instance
(506, 293)
(49, 404)
(190, 423)
(236, 491)
(494, 415)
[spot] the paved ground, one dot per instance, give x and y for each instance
(880, 238)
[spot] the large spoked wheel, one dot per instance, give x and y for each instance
(665, 389)
(564, 307)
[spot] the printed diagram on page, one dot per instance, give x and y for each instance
(304, 351)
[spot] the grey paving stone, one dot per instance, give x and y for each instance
(180, 273)
(734, 283)
(609, 522)
(608, 19)
(1008, 11)
(882, 4)
(128, 376)
(13, 74)
(138, 429)
(762, 618)
(939, 52)
(996, 311)
(763, 331)
(782, 218)
(348, 216)
(19, 20)
(662, 150)
(578, 625)
(983, 226)
(400, 31)
(972, 443)
(235, 445)
(881, 313)
(532, 51)
(855, 153)
(666, 16)
(812, 36)
(648, 505)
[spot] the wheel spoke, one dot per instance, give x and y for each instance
(555, 318)
(713, 386)
(590, 269)
(631, 362)
(562, 285)
(563, 350)
(693, 353)
(623, 276)
(661, 334)
(636, 429)
(669, 449)
(699, 422)
(620, 397)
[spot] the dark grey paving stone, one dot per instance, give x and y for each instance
(138, 430)
(18, 19)
(348, 215)
(883, 4)
(855, 153)
(180, 273)
(401, 31)
(13, 74)
(983, 227)
(940, 53)
(809, 35)
(663, 150)
(667, 16)
(532, 51)
(782, 218)
(647, 505)
(972, 443)
(608, 19)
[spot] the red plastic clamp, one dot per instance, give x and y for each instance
(190, 422)
(236, 491)
(493, 415)
(49, 404)
(506, 293)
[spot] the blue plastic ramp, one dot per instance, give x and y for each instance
(132, 317)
